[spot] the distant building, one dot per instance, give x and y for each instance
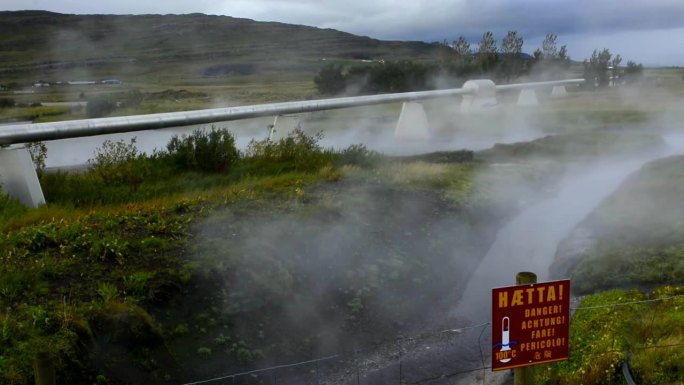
(81, 82)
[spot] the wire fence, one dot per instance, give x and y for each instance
(450, 356)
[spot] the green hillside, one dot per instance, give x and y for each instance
(52, 47)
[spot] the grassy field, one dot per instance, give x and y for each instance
(102, 271)
(638, 232)
(607, 330)
(96, 274)
(150, 269)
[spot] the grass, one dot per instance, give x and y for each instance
(191, 51)
(36, 114)
(87, 269)
(58, 277)
(646, 335)
(569, 147)
(105, 259)
(158, 98)
(637, 243)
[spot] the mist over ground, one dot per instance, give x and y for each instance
(409, 245)
(371, 258)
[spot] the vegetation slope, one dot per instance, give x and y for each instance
(58, 47)
(204, 259)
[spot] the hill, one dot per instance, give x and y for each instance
(52, 47)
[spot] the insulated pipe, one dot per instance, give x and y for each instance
(23, 133)
(518, 86)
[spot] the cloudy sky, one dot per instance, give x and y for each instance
(645, 31)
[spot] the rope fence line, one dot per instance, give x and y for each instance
(272, 368)
(423, 380)
(461, 329)
(353, 356)
(627, 303)
(449, 375)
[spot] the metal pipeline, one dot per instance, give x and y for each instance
(32, 132)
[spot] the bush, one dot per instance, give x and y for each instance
(296, 152)
(212, 151)
(358, 155)
(401, 76)
(10, 207)
(330, 80)
(38, 152)
(120, 163)
(100, 105)
(6, 103)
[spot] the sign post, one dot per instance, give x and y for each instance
(530, 325)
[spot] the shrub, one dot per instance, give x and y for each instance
(120, 163)
(212, 151)
(99, 106)
(38, 152)
(10, 207)
(76, 190)
(296, 152)
(357, 155)
(330, 80)
(6, 103)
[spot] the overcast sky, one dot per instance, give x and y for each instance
(645, 31)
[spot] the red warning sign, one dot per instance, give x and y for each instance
(530, 324)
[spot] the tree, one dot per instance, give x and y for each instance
(6, 103)
(633, 72)
(615, 71)
(330, 79)
(462, 49)
(100, 105)
(549, 50)
(358, 79)
(549, 61)
(445, 54)
(511, 50)
(463, 61)
(486, 53)
(563, 55)
(538, 55)
(596, 68)
(402, 76)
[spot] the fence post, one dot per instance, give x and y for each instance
(356, 363)
(44, 369)
(400, 374)
(524, 376)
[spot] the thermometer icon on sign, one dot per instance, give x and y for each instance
(505, 339)
(506, 353)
